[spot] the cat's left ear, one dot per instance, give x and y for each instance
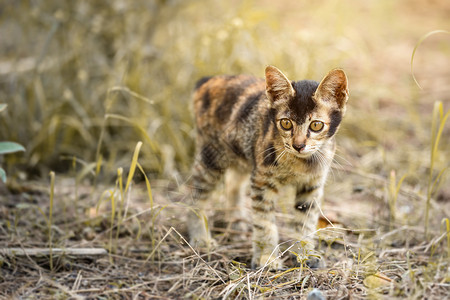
(334, 87)
(278, 85)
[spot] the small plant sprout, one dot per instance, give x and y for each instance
(435, 181)
(437, 126)
(50, 217)
(447, 230)
(394, 189)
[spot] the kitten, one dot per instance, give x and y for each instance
(281, 133)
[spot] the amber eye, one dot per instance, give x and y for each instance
(286, 124)
(316, 126)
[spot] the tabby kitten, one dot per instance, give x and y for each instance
(281, 133)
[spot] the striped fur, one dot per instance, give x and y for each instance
(239, 121)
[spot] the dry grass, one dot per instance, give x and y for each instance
(85, 81)
(364, 256)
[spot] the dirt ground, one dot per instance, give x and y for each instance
(366, 255)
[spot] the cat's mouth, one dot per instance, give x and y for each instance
(304, 152)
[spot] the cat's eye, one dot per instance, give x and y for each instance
(316, 126)
(286, 124)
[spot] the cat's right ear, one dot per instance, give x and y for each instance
(278, 85)
(334, 87)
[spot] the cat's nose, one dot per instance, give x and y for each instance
(299, 147)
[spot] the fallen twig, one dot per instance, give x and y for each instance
(54, 251)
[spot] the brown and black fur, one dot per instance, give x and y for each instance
(238, 121)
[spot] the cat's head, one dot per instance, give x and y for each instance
(307, 113)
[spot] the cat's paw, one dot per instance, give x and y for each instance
(207, 243)
(239, 230)
(313, 262)
(316, 263)
(271, 262)
(241, 226)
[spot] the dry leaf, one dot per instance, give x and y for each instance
(324, 221)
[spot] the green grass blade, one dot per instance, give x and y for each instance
(100, 139)
(434, 124)
(102, 198)
(113, 214)
(86, 170)
(447, 228)
(134, 162)
(423, 38)
(399, 185)
(139, 233)
(136, 125)
(98, 165)
(134, 94)
(122, 200)
(439, 133)
(160, 210)
(150, 197)
(120, 182)
(437, 182)
(394, 189)
(436, 133)
(50, 217)
(392, 179)
(42, 213)
(147, 183)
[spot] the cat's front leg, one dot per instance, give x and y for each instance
(237, 183)
(265, 231)
(207, 170)
(307, 203)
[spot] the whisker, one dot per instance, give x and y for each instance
(334, 163)
(344, 159)
(337, 165)
(275, 150)
(326, 162)
(265, 150)
(270, 153)
(278, 158)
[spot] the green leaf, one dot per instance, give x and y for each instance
(3, 106)
(10, 147)
(2, 175)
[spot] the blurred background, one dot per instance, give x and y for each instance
(86, 80)
(89, 79)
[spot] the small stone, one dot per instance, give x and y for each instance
(315, 294)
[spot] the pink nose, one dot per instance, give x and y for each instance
(298, 147)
